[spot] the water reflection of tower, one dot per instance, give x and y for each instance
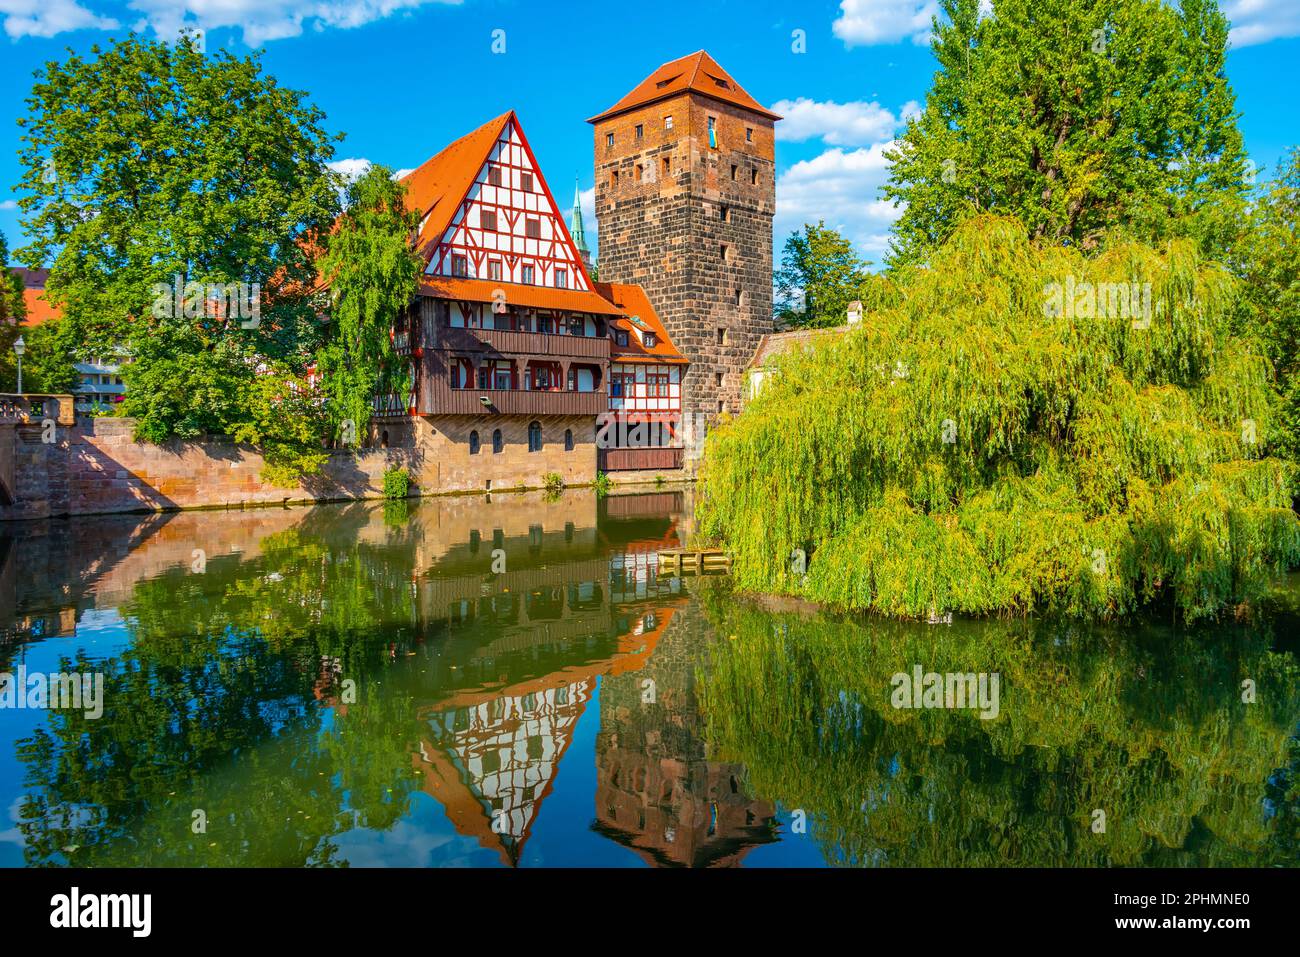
(657, 793)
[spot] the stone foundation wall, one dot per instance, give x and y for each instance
(97, 467)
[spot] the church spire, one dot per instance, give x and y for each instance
(575, 224)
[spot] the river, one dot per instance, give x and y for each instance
(507, 681)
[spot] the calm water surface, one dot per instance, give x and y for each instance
(496, 683)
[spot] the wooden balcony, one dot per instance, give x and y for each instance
(524, 345)
(442, 399)
(625, 460)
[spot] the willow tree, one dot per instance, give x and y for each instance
(372, 273)
(1026, 428)
(1077, 116)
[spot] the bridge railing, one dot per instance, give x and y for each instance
(29, 409)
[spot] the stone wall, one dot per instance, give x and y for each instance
(96, 466)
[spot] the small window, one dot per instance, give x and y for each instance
(561, 279)
(459, 266)
(533, 228)
(613, 179)
(640, 173)
(713, 132)
(526, 274)
(668, 122)
(488, 219)
(534, 436)
(717, 379)
(649, 340)
(749, 134)
(734, 170)
(494, 269)
(609, 139)
(668, 166)
(753, 176)
(724, 214)
(526, 182)
(494, 175)
(473, 442)
(620, 337)
(568, 447)
(640, 131)
(497, 443)
(722, 406)
(740, 296)
(722, 252)
(722, 336)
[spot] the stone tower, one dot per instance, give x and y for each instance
(684, 203)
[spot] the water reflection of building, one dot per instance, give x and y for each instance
(492, 753)
(657, 791)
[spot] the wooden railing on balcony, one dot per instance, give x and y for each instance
(624, 460)
(522, 344)
(444, 399)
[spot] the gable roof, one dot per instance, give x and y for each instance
(778, 343)
(517, 294)
(633, 303)
(436, 187)
(698, 73)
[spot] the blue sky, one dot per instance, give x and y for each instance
(401, 78)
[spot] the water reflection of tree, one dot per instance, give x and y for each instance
(221, 714)
(1147, 726)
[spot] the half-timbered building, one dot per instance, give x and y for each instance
(515, 353)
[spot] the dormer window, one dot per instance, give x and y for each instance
(648, 340)
(620, 338)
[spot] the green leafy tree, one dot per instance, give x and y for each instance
(1079, 117)
(47, 363)
(13, 309)
(151, 166)
(372, 273)
(981, 449)
(1269, 263)
(820, 275)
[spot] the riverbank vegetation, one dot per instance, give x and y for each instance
(1026, 429)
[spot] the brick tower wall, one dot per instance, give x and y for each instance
(663, 228)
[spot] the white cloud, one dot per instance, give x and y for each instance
(352, 169)
(258, 20)
(263, 20)
(841, 187)
(868, 22)
(45, 18)
(8, 204)
(857, 123)
(1258, 21)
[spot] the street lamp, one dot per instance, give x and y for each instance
(19, 348)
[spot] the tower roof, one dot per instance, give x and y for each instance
(697, 73)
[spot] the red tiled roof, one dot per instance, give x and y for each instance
(632, 301)
(436, 186)
(517, 294)
(698, 73)
(39, 309)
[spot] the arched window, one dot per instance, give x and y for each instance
(534, 436)
(568, 440)
(497, 443)
(473, 442)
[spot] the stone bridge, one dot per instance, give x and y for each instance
(23, 419)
